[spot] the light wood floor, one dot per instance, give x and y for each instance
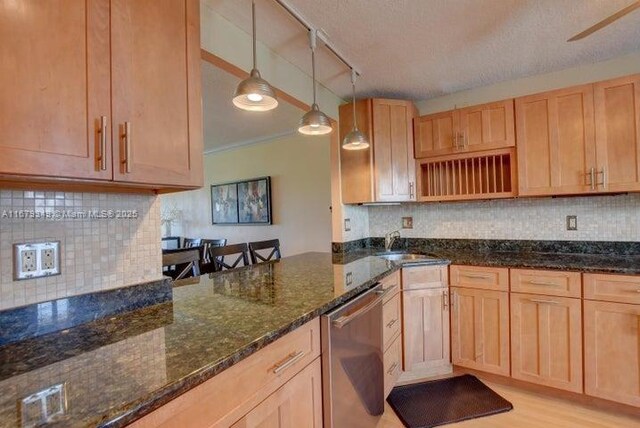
(532, 410)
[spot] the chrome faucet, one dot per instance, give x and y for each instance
(390, 238)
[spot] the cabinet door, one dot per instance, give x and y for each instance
(298, 403)
(394, 163)
(488, 126)
(157, 123)
(617, 106)
(426, 328)
(611, 357)
(556, 142)
(435, 134)
(54, 90)
(356, 166)
(546, 340)
(480, 330)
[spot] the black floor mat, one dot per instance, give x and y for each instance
(445, 401)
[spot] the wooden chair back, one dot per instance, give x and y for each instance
(272, 244)
(217, 256)
(192, 242)
(181, 263)
(206, 265)
(171, 242)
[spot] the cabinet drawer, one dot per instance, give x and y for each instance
(392, 366)
(550, 283)
(612, 288)
(391, 320)
(485, 278)
(392, 284)
(419, 277)
(243, 385)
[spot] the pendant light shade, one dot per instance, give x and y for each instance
(255, 93)
(354, 140)
(314, 122)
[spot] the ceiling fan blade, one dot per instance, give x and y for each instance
(606, 21)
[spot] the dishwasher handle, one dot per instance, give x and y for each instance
(346, 319)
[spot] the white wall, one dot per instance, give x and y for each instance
(301, 194)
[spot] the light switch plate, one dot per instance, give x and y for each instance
(36, 260)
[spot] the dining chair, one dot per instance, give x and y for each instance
(217, 256)
(272, 244)
(206, 266)
(192, 242)
(181, 263)
(171, 242)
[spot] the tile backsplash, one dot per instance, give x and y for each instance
(600, 218)
(99, 248)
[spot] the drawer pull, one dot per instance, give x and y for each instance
(534, 282)
(393, 368)
(550, 302)
(293, 358)
(475, 275)
(392, 322)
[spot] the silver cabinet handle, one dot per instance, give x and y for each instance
(445, 300)
(411, 192)
(102, 156)
(535, 282)
(346, 319)
(288, 362)
(592, 178)
(455, 141)
(543, 301)
(603, 173)
(126, 139)
(474, 275)
(393, 368)
(392, 322)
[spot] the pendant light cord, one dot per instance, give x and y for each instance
(353, 87)
(253, 18)
(312, 45)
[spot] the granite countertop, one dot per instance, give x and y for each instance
(118, 369)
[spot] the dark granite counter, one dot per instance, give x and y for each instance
(115, 370)
(603, 257)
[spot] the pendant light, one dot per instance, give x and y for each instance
(255, 93)
(354, 140)
(314, 122)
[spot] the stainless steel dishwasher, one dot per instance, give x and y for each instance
(352, 367)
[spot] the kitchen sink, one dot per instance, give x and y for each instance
(404, 257)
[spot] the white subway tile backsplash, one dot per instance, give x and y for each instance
(600, 218)
(97, 254)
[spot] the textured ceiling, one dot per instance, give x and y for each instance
(226, 126)
(420, 49)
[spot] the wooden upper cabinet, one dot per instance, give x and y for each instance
(617, 112)
(556, 142)
(488, 126)
(393, 150)
(385, 172)
(157, 123)
(435, 134)
(54, 90)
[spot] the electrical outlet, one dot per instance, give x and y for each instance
(47, 258)
(28, 260)
(347, 224)
(35, 260)
(572, 222)
(407, 222)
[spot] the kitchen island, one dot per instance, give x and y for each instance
(116, 370)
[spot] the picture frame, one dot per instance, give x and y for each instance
(254, 201)
(224, 203)
(244, 202)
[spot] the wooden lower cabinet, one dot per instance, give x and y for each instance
(546, 340)
(480, 329)
(296, 404)
(392, 365)
(426, 335)
(612, 351)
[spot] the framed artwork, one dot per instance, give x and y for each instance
(242, 202)
(224, 203)
(254, 201)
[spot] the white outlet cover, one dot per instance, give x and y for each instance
(40, 271)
